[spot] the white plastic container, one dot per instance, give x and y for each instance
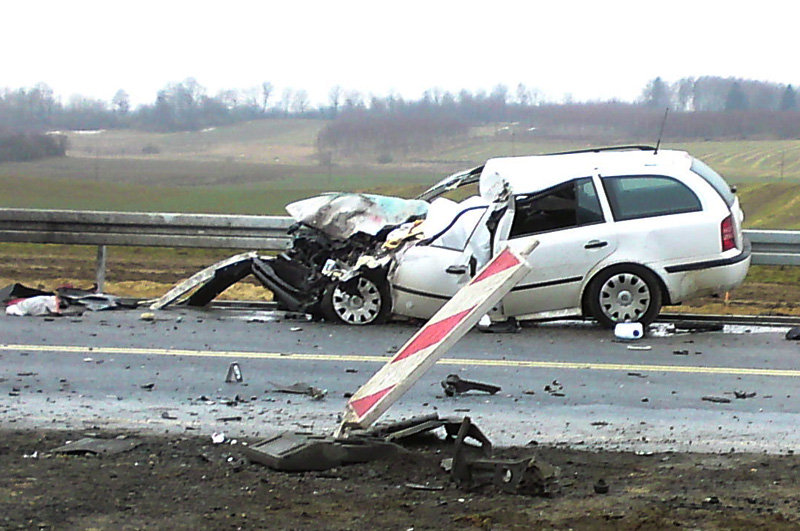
(629, 331)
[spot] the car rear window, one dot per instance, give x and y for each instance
(644, 196)
(714, 179)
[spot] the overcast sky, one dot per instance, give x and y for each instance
(590, 50)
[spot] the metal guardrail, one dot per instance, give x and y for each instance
(775, 247)
(263, 233)
(75, 227)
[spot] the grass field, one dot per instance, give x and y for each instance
(258, 167)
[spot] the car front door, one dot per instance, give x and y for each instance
(428, 274)
(570, 222)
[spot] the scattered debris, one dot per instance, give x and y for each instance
(637, 374)
(517, 476)
(148, 386)
(695, 327)
(629, 331)
(35, 306)
(18, 291)
(793, 333)
(166, 415)
(600, 423)
(298, 452)
(639, 347)
(95, 446)
(744, 394)
(235, 418)
(148, 316)
(218, 437)
(717, 399)
(94, 301)
(234, 373)
(454, 385)
(682, 352)
(301, 388)
(509, 326)
(212, 281)
(554, 388)
(418, 486)
(601, 487)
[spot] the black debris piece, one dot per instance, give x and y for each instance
(601, 487)
(717, 399)
(793, 334)
(454, 385)
(19, 291)
(300, 388)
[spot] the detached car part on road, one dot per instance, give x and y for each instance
(622, 232)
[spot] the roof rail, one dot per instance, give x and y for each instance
(609, 148)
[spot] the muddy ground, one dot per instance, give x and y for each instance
(173, 482)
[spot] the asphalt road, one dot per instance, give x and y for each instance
(111, 370)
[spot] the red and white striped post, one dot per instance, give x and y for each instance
(434, 339)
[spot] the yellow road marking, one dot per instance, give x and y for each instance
(522, 364)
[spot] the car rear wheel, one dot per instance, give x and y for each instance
(359, 301)
(624, 293)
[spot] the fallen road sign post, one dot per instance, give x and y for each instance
(436, 337)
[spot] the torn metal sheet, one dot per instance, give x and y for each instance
(91, 445)
(301, 388)
(395, 431)
(200, 278)
(20, 291)
(341, 215)
(299, 452)
(525, 475)
(434, 339)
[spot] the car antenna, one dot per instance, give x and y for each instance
(661, 131)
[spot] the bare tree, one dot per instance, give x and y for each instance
(121, 102)
(300, 101)
(335, 98)
(266, 92)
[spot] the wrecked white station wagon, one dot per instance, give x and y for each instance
(622, 231)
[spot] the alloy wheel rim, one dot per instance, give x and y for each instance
(361, 307)
(624, 297)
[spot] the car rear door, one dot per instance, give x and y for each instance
(570, 223)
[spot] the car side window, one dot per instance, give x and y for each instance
(570, 204)
(644, 196)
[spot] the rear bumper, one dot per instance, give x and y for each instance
(708, 277)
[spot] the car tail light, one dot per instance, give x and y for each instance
(727, 234)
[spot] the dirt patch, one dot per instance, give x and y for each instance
(189, 483)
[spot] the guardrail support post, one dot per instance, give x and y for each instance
(100, 277)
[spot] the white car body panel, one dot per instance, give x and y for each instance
(678, 248)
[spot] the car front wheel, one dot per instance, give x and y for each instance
(362, 300)
(624, 293)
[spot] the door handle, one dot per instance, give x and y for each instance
(456, 269)
(595, 244)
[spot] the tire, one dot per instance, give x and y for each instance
(624, 293)
(362, 300)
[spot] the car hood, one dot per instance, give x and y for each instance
(341, 215)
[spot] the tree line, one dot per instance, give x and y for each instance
(703, 107)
